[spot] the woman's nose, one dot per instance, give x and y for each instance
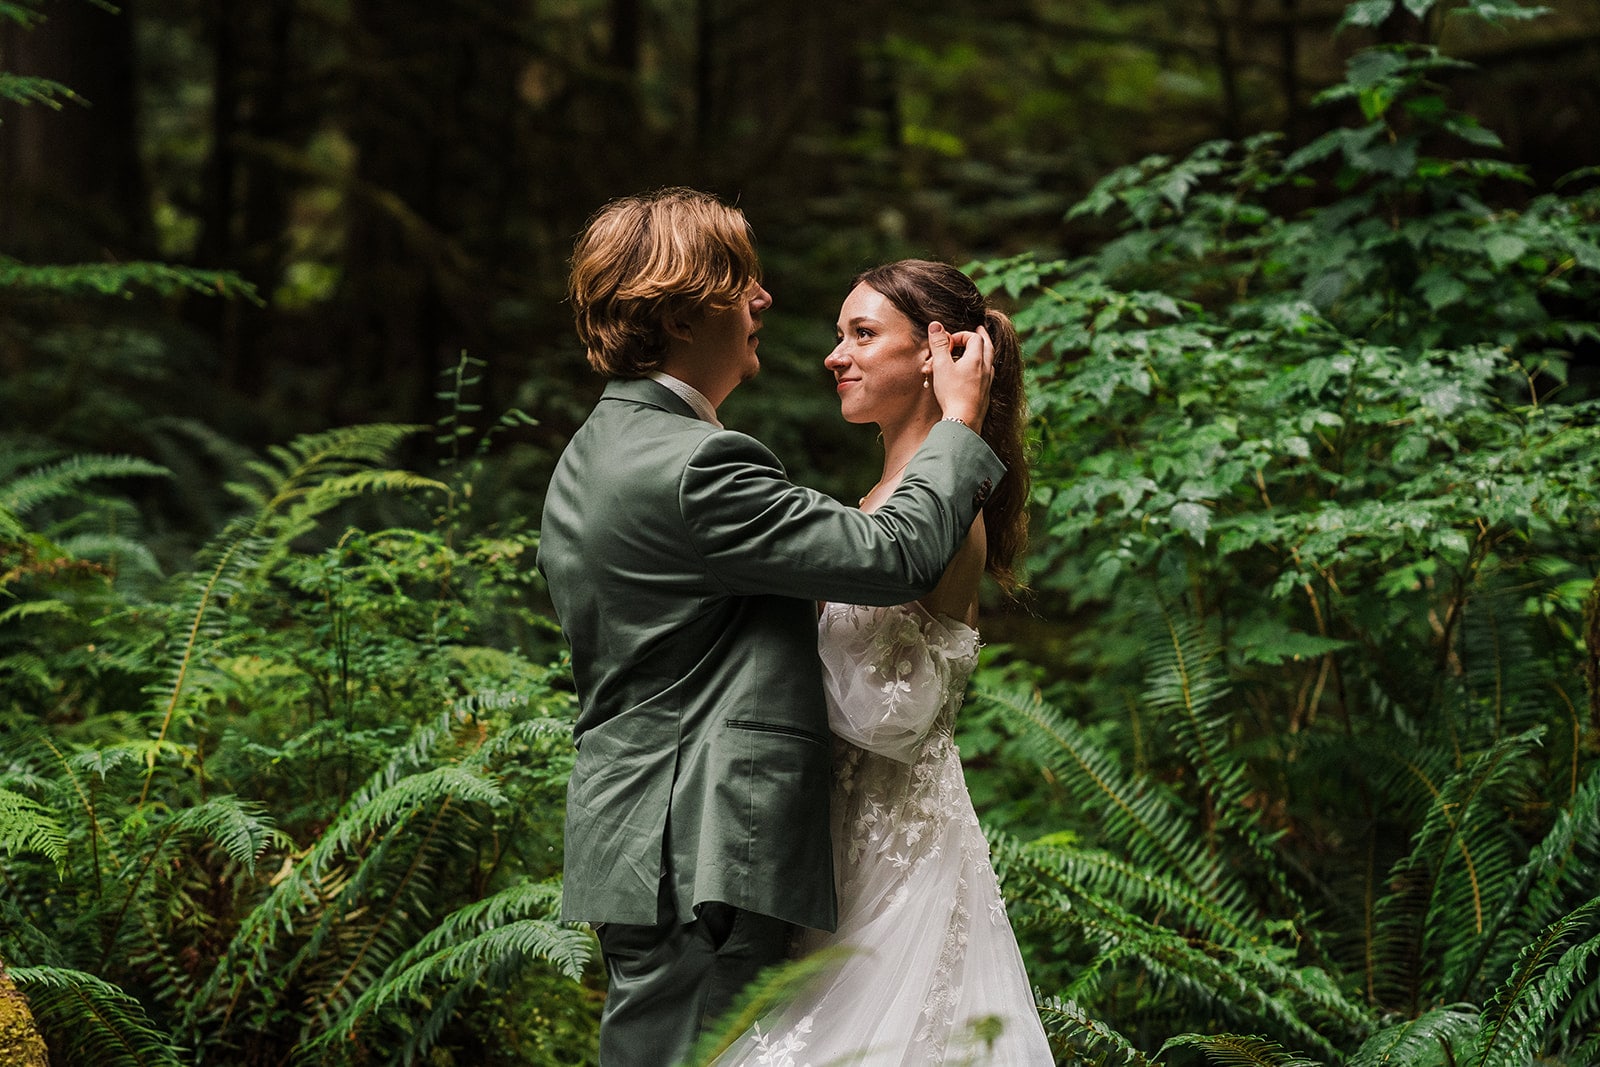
(835, 359)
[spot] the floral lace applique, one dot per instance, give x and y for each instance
(893, 676)
(780, 1052)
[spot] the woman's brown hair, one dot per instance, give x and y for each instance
(646, 260)
(926, 291)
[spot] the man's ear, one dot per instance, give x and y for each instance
(678, 329)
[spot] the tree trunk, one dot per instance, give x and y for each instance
(75, 187)
(1227, 67)
(20, 1043)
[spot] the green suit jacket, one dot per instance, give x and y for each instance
(685, 569)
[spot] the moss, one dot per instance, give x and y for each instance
(20, 1043)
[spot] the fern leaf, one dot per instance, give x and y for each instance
(1243, 980)
(1459, 860)
(89, 1020)
(119, 279)
(27, 826)
(65, 477)
(241, 828)
(1514, 1024)
(1105, 874)
(26, 89)
(1090, 1038)
(387, 800)
(461, 951)
(1135, 813)
(1562, 863)
(1420, 1040)
(1235, 1050)
(11, 528)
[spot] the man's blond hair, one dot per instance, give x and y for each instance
(647, 260)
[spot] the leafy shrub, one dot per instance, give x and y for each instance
(318, 816)
(1321, 484)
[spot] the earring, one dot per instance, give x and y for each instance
(925, 382)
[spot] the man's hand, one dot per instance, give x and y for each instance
(963, 367)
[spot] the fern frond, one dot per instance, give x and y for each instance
(762, 1003)
(127, 553)
(119, 279)
(1184, 682)
(89, 1020)
(1420, 1040)
(498, 933)
(310, 459)
(1186, 685)
(29, 665)
(1248, 981)
(26, 89)
(1442, 890)
(327, 494)
(1566, 861)
(387, 801)
(1134, 813)
(1105, 874)
(11, 528)
(1088, 1037)
(66, 477)
(1237, 1050)
(23, 14)
(241, 828)
(1514, 1023)
(27, 826)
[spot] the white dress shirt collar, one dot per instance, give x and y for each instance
(689, 394)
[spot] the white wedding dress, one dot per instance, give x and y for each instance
(931, 968)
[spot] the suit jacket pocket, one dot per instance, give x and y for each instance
(775, 728)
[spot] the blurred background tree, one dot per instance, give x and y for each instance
(403, 182)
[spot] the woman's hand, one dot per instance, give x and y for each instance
(963, 368)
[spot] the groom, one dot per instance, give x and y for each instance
(685, 569)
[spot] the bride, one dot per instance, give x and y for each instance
(929, 971)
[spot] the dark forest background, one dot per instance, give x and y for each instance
(401, 183)
(1290, 752)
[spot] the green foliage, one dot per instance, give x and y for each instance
(27, 826)
(118, 279)
(1233, 1050)
(319, 812)
(88, 1020)
(1320, 485)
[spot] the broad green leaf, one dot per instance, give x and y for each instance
(1192, 518)
(1504, 248)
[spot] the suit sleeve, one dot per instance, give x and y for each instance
(758, 533)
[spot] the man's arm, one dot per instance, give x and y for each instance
(757, 532)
